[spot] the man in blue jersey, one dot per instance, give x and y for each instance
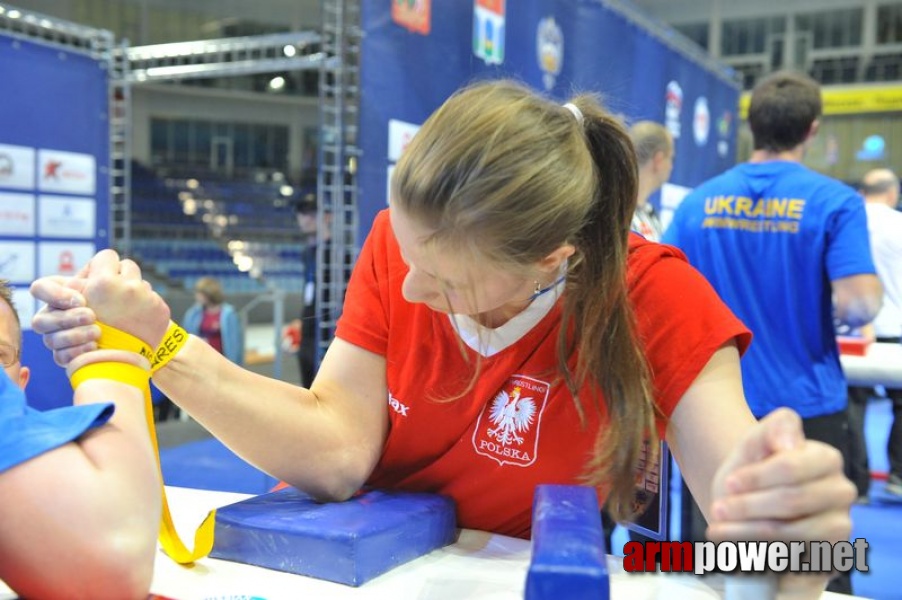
(787, 249)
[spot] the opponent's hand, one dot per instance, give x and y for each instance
(777, 485)
(65, 322)
(114, 290)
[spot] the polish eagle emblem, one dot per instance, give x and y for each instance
(511, 414)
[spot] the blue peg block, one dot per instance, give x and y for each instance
(346, 542)
(568, 550)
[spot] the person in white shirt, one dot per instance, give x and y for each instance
(654, 155)
(880, 188)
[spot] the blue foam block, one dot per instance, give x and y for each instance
(568, 551)
(347, 542)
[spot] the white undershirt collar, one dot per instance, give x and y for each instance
(488, 342)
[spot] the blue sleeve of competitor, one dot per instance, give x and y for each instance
(26, 433)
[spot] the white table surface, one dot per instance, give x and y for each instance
(478, 565)
(881, 365)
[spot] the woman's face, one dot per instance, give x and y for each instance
(455, 283)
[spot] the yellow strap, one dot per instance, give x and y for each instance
(112, 338)
(122, 372)
(172, 342)
(116, 339)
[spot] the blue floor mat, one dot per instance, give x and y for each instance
(880, 523)
(209, 465)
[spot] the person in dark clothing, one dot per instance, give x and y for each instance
(306, 211)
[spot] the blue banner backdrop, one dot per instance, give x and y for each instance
(416, 53)
(54, 190)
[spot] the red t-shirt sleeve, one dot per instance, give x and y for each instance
(365, 314)
(681, 320)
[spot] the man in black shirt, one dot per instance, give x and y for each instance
(306, 215)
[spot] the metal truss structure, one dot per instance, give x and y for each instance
(334, 52)
(225, 57)
(50, 31)
(120, 152)
(339, 95)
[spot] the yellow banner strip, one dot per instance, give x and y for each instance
(849, 100)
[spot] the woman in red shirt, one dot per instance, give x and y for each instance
(502, 329)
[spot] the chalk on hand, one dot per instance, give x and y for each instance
(568, 549)
(346, 542)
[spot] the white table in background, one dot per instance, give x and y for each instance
(881, 365)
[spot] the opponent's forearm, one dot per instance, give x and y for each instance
(78, 539)
(123, 460)
(102, 518)
(127, 428)
(121, 449)
(287, 431)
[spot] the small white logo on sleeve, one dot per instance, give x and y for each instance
(397, 406)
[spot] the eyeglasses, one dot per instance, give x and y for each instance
(9, 355)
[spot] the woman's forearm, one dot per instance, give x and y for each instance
(307, 440)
